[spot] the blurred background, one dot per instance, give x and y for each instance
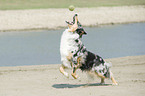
(39, 4)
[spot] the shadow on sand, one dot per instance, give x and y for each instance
(79, 85)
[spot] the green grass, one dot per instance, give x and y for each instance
(37, 4)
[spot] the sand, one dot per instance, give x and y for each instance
(55, 18)
(46, 80)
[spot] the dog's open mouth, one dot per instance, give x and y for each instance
(81, 31)
(70, 23)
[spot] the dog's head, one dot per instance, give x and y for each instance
(80, 31)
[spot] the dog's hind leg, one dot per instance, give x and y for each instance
(101, 76)
(113, 80)
(61, 69)
(102, 81)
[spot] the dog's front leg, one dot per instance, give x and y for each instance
(74, 73)
(74, 68)
(61, 69)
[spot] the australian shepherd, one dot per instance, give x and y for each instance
(75, 55)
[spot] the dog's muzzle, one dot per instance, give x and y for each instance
(81, 31)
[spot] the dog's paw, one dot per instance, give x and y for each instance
(115, 84)
(66, 74)
(74, 76)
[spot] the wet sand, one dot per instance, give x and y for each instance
(55, 18)
(46, 80)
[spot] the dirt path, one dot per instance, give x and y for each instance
(55, 18)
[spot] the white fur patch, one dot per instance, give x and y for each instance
(67, 45)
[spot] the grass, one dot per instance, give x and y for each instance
(37, 4)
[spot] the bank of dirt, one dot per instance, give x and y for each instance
(55, 18)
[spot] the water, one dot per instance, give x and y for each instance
(42, 47)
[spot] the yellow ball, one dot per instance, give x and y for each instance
(71, 8)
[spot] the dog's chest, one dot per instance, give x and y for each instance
(68, 41)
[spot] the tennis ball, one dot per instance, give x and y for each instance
(71, 8)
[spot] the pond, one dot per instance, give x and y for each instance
(42, 46)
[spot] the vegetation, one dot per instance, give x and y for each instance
(37, 4)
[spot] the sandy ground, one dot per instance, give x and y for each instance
(55, 18)
(46, 80)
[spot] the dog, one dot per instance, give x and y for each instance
(68, 43)
(74, 55)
